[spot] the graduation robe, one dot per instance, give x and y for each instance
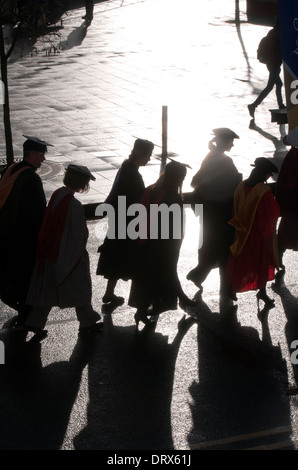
(253, 256)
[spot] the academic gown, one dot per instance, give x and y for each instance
(61, 275)
(253, 256)
(155, 279)
(116, 255)
(23, 205)
(214, 185)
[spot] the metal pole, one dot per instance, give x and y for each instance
(164, 152)
(237, 12)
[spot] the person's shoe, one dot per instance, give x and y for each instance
(39, 332)
(279, 279)
(142, 317)
(115, 299)
(227, 294)
(88, 20)
(268, 302)
(251, 109)
(185, 302)
(281, 273)
(192, 276)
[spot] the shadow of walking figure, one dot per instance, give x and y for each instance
(130, 389)
(36, 401)
(269, 53)
(231, 407)
(290, 307)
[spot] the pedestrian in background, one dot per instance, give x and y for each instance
(254, 258)
(214, 186)
(61, 275)
(22, 207)
(269, 53)
(116, 255)
(89, 5)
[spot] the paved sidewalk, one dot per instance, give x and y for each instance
(101, 87)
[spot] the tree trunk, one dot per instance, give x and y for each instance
(6, 110)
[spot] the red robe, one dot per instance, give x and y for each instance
(253, 257)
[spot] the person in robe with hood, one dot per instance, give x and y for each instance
(254, 254)
(22, 207)
(155, 280)
(214, 186)
(61, 276)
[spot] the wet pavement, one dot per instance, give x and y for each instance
(90, 92)
(195, 381)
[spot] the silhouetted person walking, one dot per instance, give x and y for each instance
(253, 256)
(214, 186)
(269, 53)
(22, 207)
(116, 255)
(155, 279)
(61, 275)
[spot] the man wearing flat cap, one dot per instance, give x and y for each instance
(22, 207)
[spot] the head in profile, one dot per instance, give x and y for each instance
(34, 150)
(174, 174)
(171, 178)
(77, 178)
(141, 152)
(223, 139)
(262, 171)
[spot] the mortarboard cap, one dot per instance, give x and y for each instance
(264, 164)
(225, 132)
(81, 169)
(37, 140)
(35, 144)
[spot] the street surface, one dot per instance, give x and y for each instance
(198, 379)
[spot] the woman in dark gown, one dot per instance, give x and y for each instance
(155, 282)
(116, 254)
(214, 186)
